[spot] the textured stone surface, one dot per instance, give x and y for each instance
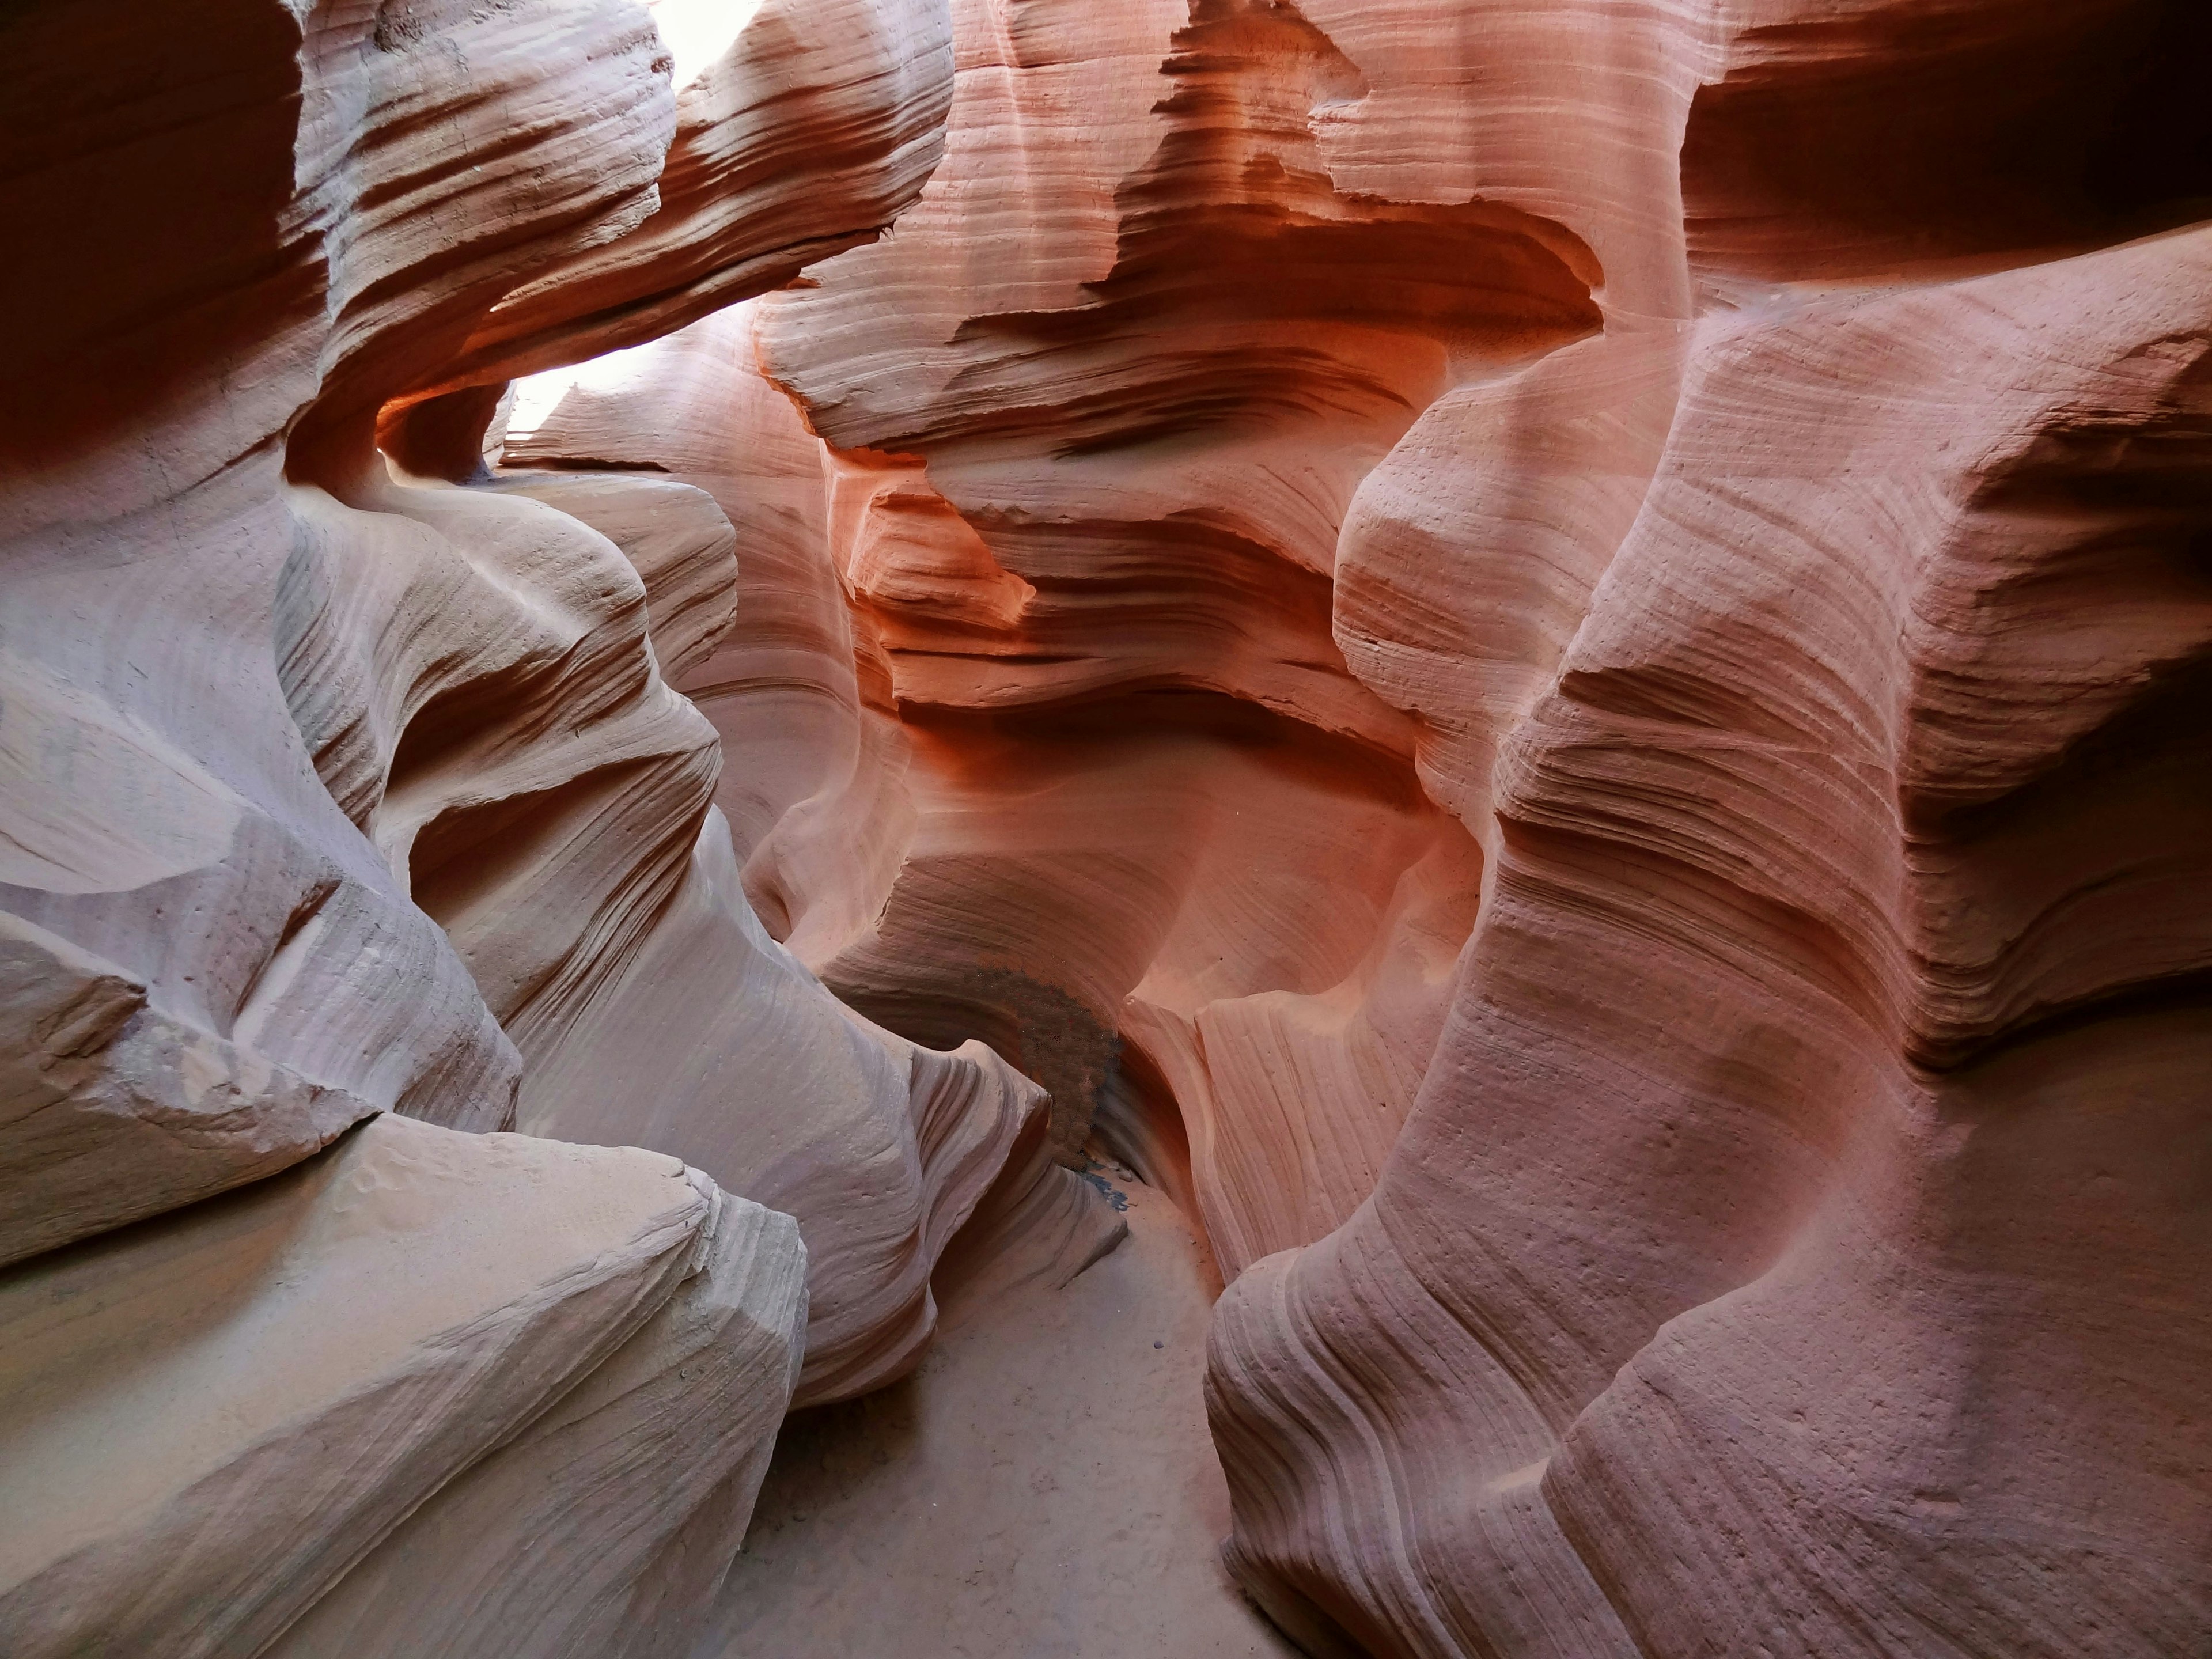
(1556, 651)
(113, 1112)
(211, 1416)
(1041, 1485)
(1781, 901)
(605, 1526)
(1549, 656)
(802, 128)
(332, 788)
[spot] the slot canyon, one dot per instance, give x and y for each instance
(1106, 829)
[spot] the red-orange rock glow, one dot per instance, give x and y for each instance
(675, 675)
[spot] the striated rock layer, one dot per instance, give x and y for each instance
(1871, 1312)
(1548, 656)
(210, 1417)
(1551, 658)
(347, 812)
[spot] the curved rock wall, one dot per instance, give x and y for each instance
(1555, 651)
(346, 813)
(1549, 656)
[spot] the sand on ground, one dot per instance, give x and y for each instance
(1044, 1487)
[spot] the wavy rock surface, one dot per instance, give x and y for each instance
(332, 788)
(1548, 655)
(116, 1111)
(801, 130)
(669, 1436)
(1783, 897)
(1070, 687)
(1553, 653)
(430, 1294)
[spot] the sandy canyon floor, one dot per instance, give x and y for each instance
(1043, 1487)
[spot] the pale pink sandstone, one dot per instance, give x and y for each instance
(1808, 667)
(1554, 652)
(334, 790)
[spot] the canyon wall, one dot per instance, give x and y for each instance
(1548, 657)
(365, 907)
(1551, 659)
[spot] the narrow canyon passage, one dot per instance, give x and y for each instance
(1106, 829)
(1042, 1484)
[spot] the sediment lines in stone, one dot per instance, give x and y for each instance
(344, 789)
(1549, 656)
(1555, 661)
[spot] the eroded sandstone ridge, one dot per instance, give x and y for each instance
(1550, 657)
(348, 824)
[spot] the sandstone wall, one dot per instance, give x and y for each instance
(347, 824)
(1550, 657)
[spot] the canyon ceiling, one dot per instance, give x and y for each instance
(663, 664)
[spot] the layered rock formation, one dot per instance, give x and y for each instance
(1548, 656)
(1619, 587)
(213, 1417)
(349, 815)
